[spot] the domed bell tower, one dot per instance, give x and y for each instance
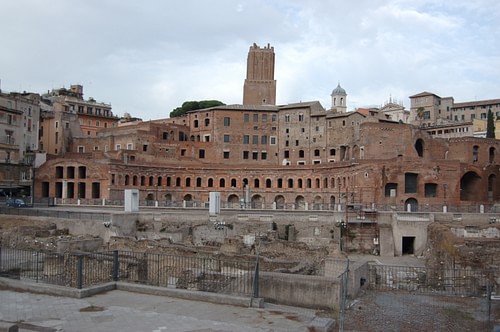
(339, 99)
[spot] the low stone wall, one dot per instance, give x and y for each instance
(300, 290)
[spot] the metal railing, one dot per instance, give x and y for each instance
(81, 270)
(442, 281)
(351, 207)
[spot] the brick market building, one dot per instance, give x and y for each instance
(262, 155)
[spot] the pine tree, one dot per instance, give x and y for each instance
(490, 125)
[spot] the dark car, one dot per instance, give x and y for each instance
(16, 202)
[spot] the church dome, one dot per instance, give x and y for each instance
(338, 91)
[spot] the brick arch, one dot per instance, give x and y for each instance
(280, 201)
(300, 202)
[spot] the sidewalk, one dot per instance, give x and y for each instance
(131, 312)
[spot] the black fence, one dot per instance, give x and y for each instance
(82, 270)
(442, 281)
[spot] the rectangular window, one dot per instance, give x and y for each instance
(273, 118)
(255, 155)
(273, 140)
(183, 152)
(255, 139)
(264, 117)
(263, 140)
(301, 117)
(263, 155)
(81, 149)
(226, 154)
(246, 117)
(256, 117)
(201, 154)
(118, 147)
(227, 121)
(430, 190)
(246, 139)
(130, 146)
(226, 138)
(411, 183)
(287, 118)
(245, 154)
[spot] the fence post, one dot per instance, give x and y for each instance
(256, 280)
(115, 265)
(79, 271)
(36, 262)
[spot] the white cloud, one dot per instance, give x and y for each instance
(147, 58)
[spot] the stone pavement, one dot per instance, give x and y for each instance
(125, 311)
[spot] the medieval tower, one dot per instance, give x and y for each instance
(260, 85)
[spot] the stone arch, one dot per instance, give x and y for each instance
(493, 188)
(257, 202)
(300, 202)
(168, 199)
(318, 202)
(470, 186)
(413, 202)
(233, 201)
(280, 201)
(188, 198)
(419, 147)
(332, 202)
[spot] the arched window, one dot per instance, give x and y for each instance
(178, 182)
(233, 183)
(127, 179)
(299, 183)
(318, 183)
(210, 182)
(188, 182)
(256, 183)
(290, 183)
(198, 182)
(222, 183)
(268, 183)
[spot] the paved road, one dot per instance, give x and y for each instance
(124, 311)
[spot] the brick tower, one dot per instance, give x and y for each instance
(260, 85)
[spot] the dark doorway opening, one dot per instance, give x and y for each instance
(408, 242)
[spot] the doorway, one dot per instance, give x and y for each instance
(408, 245)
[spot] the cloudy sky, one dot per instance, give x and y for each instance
(147, 57)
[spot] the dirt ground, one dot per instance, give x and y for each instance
(404, 311)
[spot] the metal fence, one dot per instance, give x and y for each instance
(81, 270)
(442, 281)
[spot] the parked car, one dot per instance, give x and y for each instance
(16, 202)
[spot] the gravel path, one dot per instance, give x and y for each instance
(404, 311)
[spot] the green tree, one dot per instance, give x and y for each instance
(490, 125)
(420, 114)
(194, 105)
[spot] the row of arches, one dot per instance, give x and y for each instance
(258, 201)
(222, 182)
